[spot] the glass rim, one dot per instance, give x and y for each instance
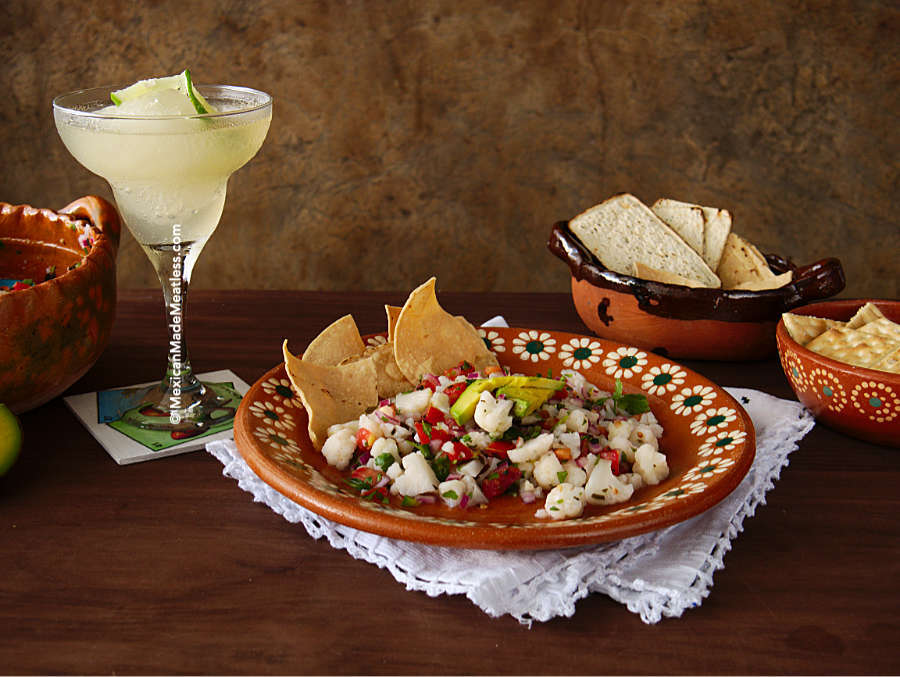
(107, 89)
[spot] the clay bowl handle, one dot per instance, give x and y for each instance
(100, 213)
(818, 280)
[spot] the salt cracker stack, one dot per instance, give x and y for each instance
(867, 340)
(623, 230)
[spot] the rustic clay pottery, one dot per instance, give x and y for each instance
(862, 403)
(710, 324)
(53, 332)
(708, 439)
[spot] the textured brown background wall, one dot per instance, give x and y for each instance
(419, 138)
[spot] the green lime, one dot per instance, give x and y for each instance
(10, 439)
(181, 82)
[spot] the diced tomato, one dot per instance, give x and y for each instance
(442, 433)
(499, 448)
(492, 369)
(422, 436)
(460, 452)
(365, 438)
(461, 368)
(434, 415)
(367, 479)
(19, 285)
(429, 381)
(500, 480)
(454, 391)
(560, 394)
(613, 456)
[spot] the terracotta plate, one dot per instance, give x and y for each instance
(708, 438)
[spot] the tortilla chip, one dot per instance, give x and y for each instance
(335, 343)
(804, 328)
(393, 312)
(743, 264)
(773, 282)
(331, 393)
(867, 313)
(851, 346)
(645, 272)
(883, 327)
(389, 379)
(429, 340)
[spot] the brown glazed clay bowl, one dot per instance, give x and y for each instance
(683, 322)
(862, 403)
(53, 332)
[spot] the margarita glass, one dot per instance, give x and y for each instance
(168, 173)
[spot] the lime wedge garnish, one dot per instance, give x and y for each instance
(181, 82)
(10, 439)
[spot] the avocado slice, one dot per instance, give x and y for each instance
(464, 407)
(526, 399)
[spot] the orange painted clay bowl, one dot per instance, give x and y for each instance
(677, 321)
(53, 332)
(862, 403)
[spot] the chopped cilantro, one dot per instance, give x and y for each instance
(452, 495)
(561, 476)
(441, 466)
(384, 461)
(633, 403)
(409, 502)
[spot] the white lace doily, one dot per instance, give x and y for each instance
(656, 574)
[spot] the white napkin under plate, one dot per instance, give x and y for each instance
(657, 574)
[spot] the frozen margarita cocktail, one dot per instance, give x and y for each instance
(167, 147)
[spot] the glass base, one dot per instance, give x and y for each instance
(189, 412)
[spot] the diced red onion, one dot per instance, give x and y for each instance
(464, 501)
(426, 498)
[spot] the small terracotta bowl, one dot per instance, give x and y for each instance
(677, 321)
(53, 332)
(862, 403)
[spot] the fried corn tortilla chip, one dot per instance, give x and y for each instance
(389, 379)
(331, 393)
(393, 312)
(742, 266)
(429, 340)
(337, 342)
(889, 363)
(645, 272)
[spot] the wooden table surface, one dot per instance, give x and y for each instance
(168, 567)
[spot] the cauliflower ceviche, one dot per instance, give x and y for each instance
(464, 438)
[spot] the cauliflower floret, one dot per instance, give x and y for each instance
(643, 434)
(572, 441)
(394, 471)
(476, 496)
(493, 415)
(604, 488)
(577, 421)
(339, 447)
(452, 491)
(385, 445)
(478, 439)
(574, 474)
(650, 464)
(623, 445)
(413, 403)
(532, 449)
(349, 425)
(417, 477)
(632, 478)
(441, 401)
(548, 471)
(471, 468)
(564, 501)
(620, 428)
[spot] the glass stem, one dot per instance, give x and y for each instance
(174, 264)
